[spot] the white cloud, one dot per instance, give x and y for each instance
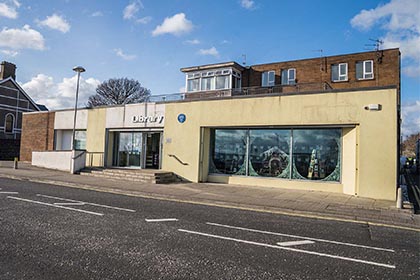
(124, 56)
(44, 91)
(7, 11)
(9, 53)
(212, 51)
(401, 21)
(247, 4)
(412, 71)
(97, 14)
(131, 10)
(56, 22)
(176, 25)
(193, 42)
(25, 38)
(144, 20)
(410, 114)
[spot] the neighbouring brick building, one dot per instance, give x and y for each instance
(13, 102)
(328, 124)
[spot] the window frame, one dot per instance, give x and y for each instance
(11, 131)
(270, 82)
(339, 74)
(287, 80)
(364, 72)
(212, 75)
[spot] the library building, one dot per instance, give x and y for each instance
(326, 124)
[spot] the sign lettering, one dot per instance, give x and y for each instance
(148, 119)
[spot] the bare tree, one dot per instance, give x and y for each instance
(118, 91)
(409, 145)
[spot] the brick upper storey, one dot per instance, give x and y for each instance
(351, 71)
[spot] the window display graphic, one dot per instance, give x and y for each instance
(314, 155)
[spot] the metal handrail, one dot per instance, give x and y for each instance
(253, 90)
(79, 155)
(180, 161)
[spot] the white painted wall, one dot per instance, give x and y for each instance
(71, 161)
(60, 160)
(64, 119)
(129, 116)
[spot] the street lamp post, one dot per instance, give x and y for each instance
(78, 69)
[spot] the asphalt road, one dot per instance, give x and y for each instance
(53, 232)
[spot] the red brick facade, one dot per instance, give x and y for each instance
(318, 70)
(37, 134)
(312, 74)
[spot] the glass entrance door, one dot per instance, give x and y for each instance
(152, 150)
(137, 149)
(129, 149)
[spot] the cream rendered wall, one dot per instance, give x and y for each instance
(349, 160)
(95, 137)
(374, 132)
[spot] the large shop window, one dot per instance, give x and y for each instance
(305, 154)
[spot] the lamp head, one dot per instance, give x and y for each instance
(79, 69)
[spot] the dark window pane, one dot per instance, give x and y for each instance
(359, 70)
(8, 127)
(334, 72)
(227, 151)
(316, 154)
(269, 153)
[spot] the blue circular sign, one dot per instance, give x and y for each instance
(182, 118)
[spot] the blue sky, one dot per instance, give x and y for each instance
(151, 40)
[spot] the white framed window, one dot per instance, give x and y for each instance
(212, 80)
(222, 82)
(207, 83)
(193, 84)
(364, 70)
(339, 72)
(9, 123)
(288, 76)
(268, 78)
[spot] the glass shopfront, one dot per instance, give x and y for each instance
(136, 149)
(306, 154)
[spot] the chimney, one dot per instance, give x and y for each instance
(7, 70)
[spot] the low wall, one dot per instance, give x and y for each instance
(71, 161)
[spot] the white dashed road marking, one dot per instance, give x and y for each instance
(288, 249)
(85, 203)
(8, 192)
(53, 205)
(302, 237)
(161, 220)
(295, 243)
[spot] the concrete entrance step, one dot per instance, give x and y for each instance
(136, 175)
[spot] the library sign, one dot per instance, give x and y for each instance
(157, 119)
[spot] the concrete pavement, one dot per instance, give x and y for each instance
(321, 205)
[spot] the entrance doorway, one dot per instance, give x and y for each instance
(137, 149)
(152, 152)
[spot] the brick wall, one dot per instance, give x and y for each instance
(386, 65)
(37, 134)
